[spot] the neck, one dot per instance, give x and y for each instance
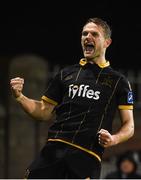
(97, 60)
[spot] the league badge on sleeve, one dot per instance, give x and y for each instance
(130, 97)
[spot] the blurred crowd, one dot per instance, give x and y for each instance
(126, 166)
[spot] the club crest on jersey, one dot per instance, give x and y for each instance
(130, 97)
(83, 91)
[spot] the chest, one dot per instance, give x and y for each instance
(86, 87)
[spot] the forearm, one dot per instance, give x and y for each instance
(124, 133)
(34, 108)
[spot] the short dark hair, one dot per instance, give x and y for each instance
(100, 22)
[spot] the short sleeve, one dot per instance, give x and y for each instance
(53, 93)
(125, 95)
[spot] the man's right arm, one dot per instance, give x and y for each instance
(40, 110)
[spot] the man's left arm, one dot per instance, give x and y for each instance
(123, 134)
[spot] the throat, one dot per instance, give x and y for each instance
(100, 63)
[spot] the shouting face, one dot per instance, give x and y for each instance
(93, 41)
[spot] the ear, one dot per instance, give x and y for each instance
(108, 41)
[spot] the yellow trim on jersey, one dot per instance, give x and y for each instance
(125, 107)
(83, 61)
(77, 146)
(49, 100)
(103, 65)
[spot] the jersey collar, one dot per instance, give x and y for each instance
(83, 62)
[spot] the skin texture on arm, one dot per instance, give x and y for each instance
(40, 110)
(124, 133)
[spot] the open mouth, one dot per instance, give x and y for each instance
(89, 48)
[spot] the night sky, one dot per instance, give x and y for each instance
(53, 30)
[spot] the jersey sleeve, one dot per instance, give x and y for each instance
(125, 98)
(53, 93)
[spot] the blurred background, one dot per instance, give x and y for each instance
(36, 41)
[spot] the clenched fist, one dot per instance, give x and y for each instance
(17, 86)
(105, 138)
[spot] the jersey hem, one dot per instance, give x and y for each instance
(77, 146)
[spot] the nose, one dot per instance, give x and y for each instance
(89, 35)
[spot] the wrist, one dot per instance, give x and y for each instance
(19, 97)
(115, 139)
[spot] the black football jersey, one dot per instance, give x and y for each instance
(86, 97)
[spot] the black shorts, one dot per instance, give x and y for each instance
(59, 161)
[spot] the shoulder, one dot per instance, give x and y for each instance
(116, 72)
(65, 71)
(68, 70)
(118, 75)
(70, 67)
